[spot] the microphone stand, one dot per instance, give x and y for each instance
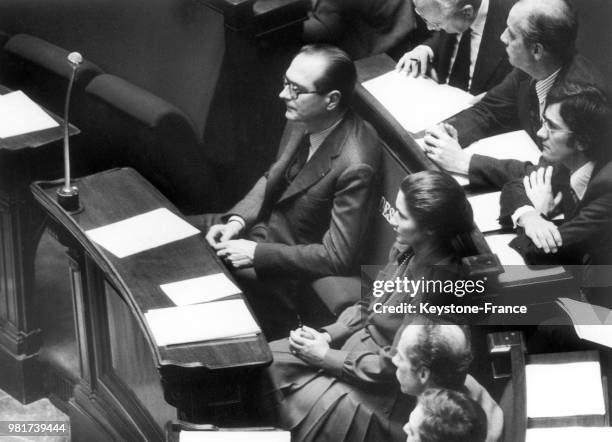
(68, 195)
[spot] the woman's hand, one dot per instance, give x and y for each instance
(309, 345)
(539, 190)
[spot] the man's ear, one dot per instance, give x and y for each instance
(537, 50)
(468, 12)
(333, 99)
(424, 374)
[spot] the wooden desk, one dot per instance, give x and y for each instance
(23, 158)
(514, 399)
(122, 369)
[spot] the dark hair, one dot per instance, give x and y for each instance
(586, 111)
(555, 28)
(438, 203)
(451, 416)
(340, 73)
(448, 365)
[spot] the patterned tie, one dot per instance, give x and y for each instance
(460, 73)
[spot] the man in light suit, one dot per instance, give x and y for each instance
(306, 217)
(476, 65)
(540, 40)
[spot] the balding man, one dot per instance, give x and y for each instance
(432, 355)
(540, 40)
(465, 51)
(446, 416)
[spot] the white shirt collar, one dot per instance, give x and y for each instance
(579, 180)
(544, 86)
(481, 18)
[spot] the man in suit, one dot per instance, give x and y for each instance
(576, 141)
(540, 41)
(435, 355)
(306, 217)
(363, 27)
(446, 416)
(465, 51)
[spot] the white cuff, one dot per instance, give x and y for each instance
(520, 212)
(238, 219)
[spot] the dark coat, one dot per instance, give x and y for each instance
(492, 64)
(314, 227)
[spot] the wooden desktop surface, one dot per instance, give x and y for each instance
(118, 194)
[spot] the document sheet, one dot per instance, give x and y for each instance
(515, 268)
(201, 322)
(516, 145)
(142, 232)
(571, 389)
(486, 211)
(235, 436)
(569, 434)
(202, 289)
(20, 115)
(417, 103)
(592, 322)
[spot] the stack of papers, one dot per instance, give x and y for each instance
(417, 103)
(558, 390)
(20, 115)
(201, 322)
(235, 436)
(142, 232)
(592, 322)
(569, 434)
(202, 289)
(486, 210)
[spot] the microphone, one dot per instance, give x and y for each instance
(68, 195)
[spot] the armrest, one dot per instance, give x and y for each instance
(338, 292)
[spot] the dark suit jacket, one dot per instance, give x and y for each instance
(315, 227)
(512, 105)
(492, 64)
(361, 27)
(587, 229)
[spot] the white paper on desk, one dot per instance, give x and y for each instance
(591, 322)
(417, 103)
(20, 115)
(571, 389)
(515, 268)
(569, 434)
(486, 211)
(142, 232)
(516, 145)
(202, 289)
(201, 322)
(235, 436)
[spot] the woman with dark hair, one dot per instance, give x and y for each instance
(338, 383)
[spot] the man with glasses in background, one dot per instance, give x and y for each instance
(465, 50)
(540, 40)
(307, 216)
